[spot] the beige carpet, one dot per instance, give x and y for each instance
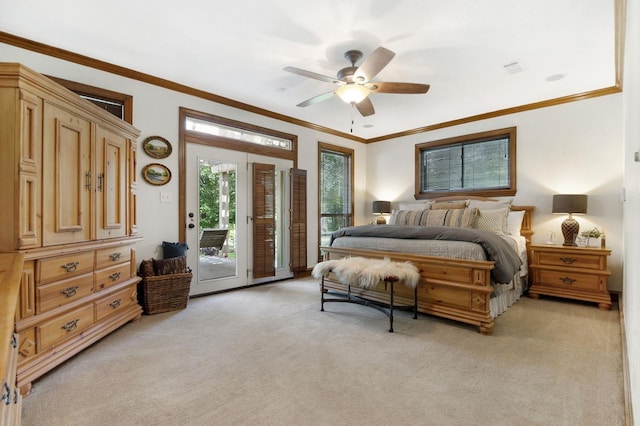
(268, 356)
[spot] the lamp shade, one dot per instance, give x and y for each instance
(382, 207)
(569, 203)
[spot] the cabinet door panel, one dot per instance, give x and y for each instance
(111, 184)
(67, 179)
(29, 171)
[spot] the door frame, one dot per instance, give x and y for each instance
(185, 136)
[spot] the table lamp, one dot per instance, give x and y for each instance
(572, 204)
(380, 207)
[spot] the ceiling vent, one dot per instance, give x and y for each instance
(513, 68)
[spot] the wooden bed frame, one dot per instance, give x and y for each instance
(450, 288)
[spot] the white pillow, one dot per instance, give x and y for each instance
(494, 220)
(490, 205)
(514, 222)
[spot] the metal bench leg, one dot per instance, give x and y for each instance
(391, 307)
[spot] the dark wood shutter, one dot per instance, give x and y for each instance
(264, 220)
(298, 220)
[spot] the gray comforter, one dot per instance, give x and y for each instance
(507, 261)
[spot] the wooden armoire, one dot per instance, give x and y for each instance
(68, 199)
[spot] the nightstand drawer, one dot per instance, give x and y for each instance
(571, 260)
(569, 279)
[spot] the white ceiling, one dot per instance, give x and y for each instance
(238, 49)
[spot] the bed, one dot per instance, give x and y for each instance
(461, 279)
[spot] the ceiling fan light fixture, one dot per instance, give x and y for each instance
(352, 93)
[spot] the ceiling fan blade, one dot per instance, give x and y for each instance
(407, 88)
(365, 107)
(373, 65)
(311, 74)
(316, 99)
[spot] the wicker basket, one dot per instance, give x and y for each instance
(164, 293)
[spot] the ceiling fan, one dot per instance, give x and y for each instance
(355, 83)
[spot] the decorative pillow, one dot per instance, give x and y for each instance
(406, 217)
(461, 218)
(489, 204)
(174, 249)
(514, 222)
(493, 220)
(414, 206)
(449, 205)
(173, 265)
(146, 268)
(433, 218)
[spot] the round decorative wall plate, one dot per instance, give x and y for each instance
(156, 174)
(157, 147)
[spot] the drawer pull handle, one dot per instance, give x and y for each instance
(14, 341)
(115, 303)
(115, 256)
(70, 291)
(70, 267)
(567, 280)
(6, 395)
(568, 260)
(115, 276)
(71, 325)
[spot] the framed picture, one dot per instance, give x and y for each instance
(157, 147)
(156, 174)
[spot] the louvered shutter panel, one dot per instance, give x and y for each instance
(264, 220)
(298, 220)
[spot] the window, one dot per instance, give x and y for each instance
(231, 132)
(221, 132)
(482, 164)
(118, 104)
(335, 177)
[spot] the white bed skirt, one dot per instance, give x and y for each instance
(502, 301)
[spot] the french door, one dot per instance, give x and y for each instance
(227, 229)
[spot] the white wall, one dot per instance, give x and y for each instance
(570, 148)
(631, 291)
(155, 112)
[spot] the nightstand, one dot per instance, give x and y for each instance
(572, 272)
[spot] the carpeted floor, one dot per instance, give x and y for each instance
(267, 356)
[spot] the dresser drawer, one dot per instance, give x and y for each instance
(571, 260)
(50, 296)
(61, 267)
(114, 302)
(112, 256)
(109, 277)
(67, 325)
(569, 279)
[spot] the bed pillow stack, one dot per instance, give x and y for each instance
(436, 214)
(492, 216)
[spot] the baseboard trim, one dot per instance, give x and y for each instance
(628, 407)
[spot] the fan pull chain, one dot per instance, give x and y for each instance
(353, 106)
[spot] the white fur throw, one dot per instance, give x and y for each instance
(367, 273)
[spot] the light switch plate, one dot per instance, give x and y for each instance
(165, 197)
